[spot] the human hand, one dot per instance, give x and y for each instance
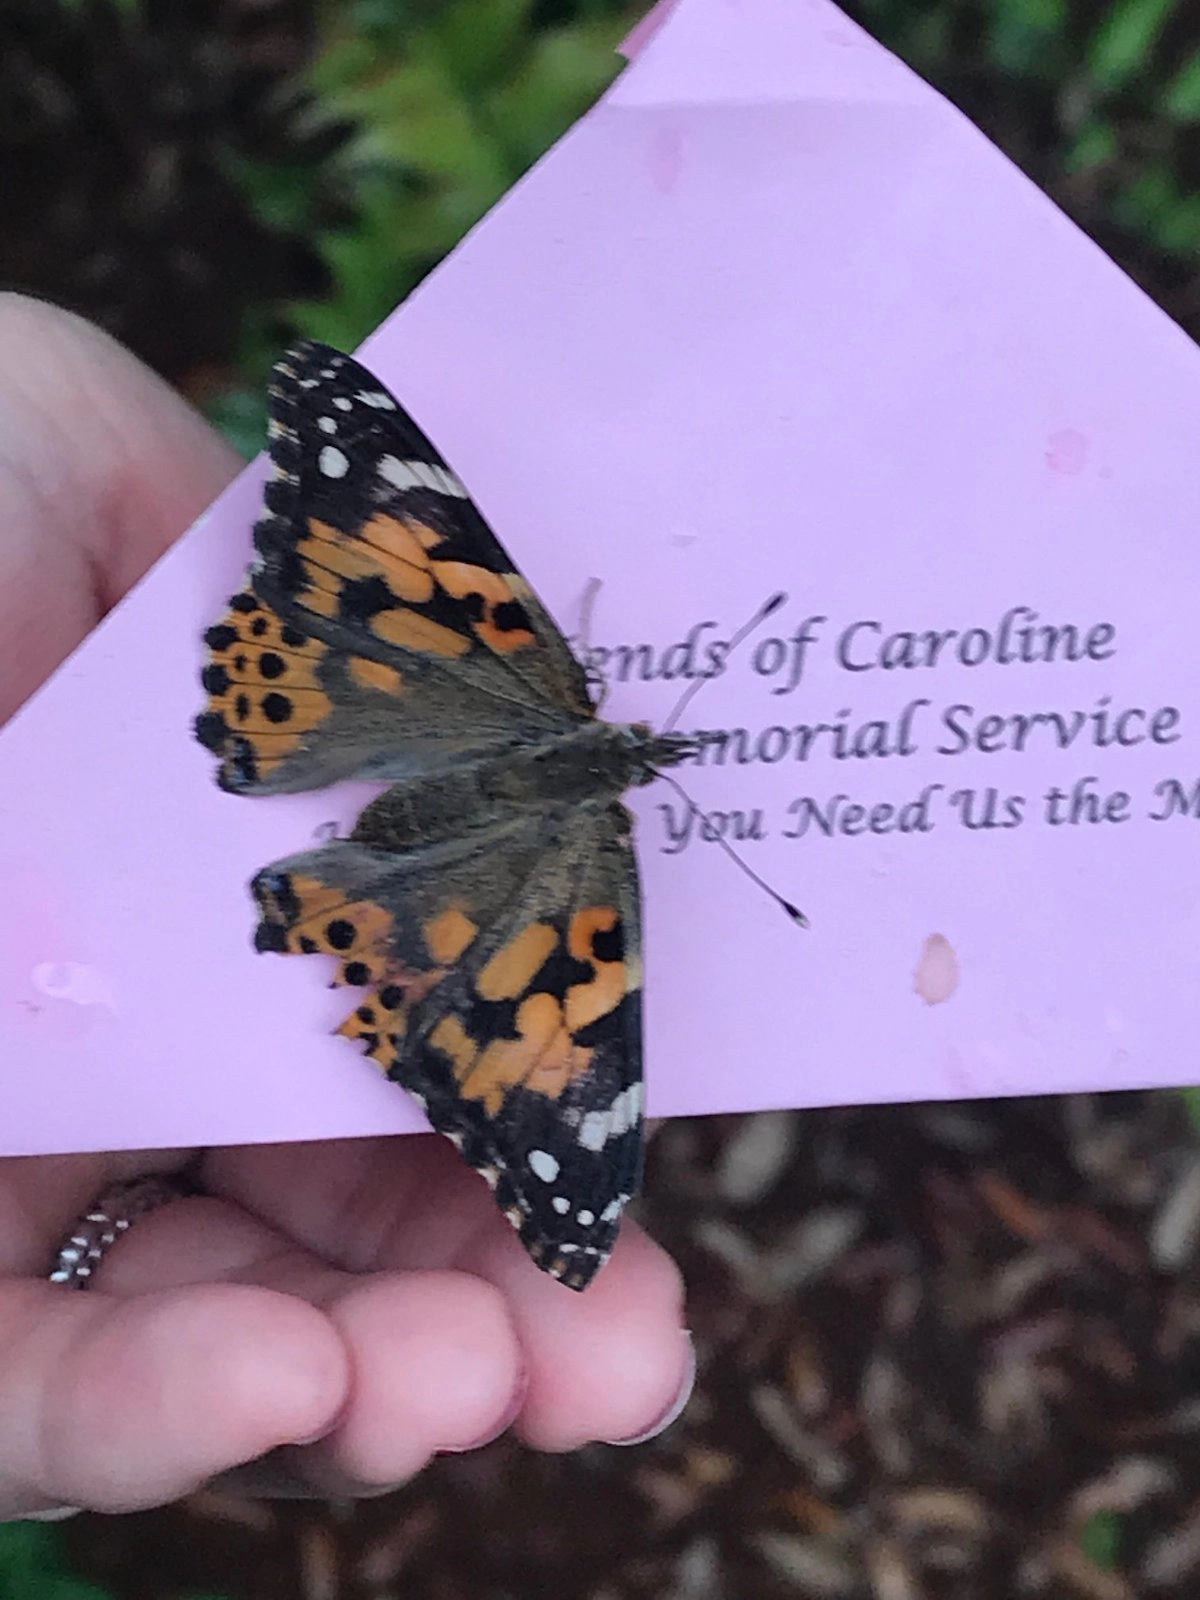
(322, 1318)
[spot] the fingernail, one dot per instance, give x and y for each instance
(675, 1409)
(512, 1412)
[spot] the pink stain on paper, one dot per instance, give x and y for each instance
(936, 977)
(1067, 451)
(666, 159)
(43, 983)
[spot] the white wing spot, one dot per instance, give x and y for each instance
(376, 399)
(613, 1209)
(585, 1218)
(543, 1165)
(593, 1130)
(327, 424)
(598, 1127)
(561, 1204)
(342, 403)
(420, 475)
(334, 463)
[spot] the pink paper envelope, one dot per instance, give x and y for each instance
(772, 318)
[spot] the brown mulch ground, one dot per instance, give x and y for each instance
(945, 1351)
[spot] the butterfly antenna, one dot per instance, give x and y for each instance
(793, 912)
(763, 612)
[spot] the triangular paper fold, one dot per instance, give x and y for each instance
(773, 317)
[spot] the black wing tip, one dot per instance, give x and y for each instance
(270, 938)
(573, 1268)
(304, 350)
(303, 355)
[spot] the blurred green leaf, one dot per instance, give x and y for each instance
(241, 415)
(1182, 98)
(926, 37)
(1094, 145)
(477, 38)
(33, 1566)
(1177, 228)
(1155, 207)
(1022, 32)
(1126, 37)
(564, 72)
(1101, 1538)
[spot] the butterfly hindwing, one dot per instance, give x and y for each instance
(383, 628)
(503, 981)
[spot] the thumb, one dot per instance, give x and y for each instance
(102, 466)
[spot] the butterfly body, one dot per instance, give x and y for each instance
(488, 899)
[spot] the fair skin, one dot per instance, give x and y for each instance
(325, 1318)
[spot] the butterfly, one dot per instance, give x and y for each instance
(488, 900)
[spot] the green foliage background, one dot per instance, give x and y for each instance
(452, 100)
(449, 103)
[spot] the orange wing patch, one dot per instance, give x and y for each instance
(448, 934)
(511, 970)
(370, 674)
(400, 551)
(392, 552)
(594, 938)
(542, 1059)
(411, 631)
(501, 619)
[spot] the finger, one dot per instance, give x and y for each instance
(437, 1368)
(607, 1364)
(614, 1363)
(435, 1358)
(116, 1404)
(102, 465)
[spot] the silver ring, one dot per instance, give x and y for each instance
(105, 1221)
